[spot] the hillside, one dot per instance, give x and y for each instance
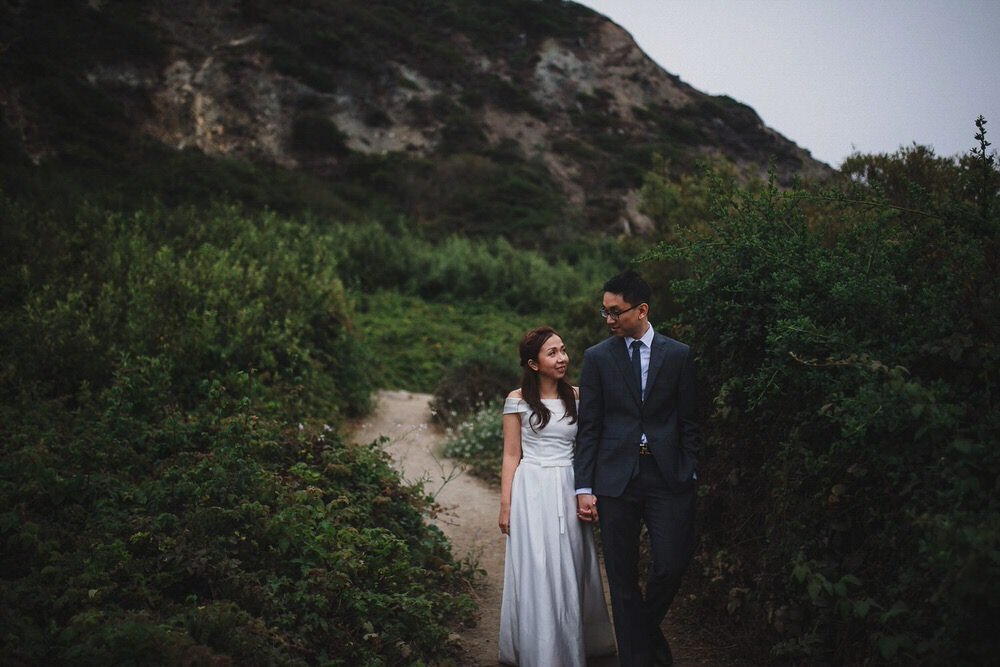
(225, 225)
(473, 117)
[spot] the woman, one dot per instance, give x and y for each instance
(553, 610)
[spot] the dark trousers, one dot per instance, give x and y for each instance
(669, 519)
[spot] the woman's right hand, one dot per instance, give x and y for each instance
(504, 520)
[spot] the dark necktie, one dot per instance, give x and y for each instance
(637, 364)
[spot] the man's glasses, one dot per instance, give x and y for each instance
(615, 314)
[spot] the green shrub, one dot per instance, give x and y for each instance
(171, 488)
(471, 382)
(315, 134)
(142, 532)
(213, 293)
(851, 469)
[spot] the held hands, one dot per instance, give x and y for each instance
(586, 510)
(586, 507)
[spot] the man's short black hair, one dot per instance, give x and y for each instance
(630, 285)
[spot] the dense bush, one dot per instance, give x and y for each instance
(314, 134)
(170, 491)
(211, 293)
(135, 531)
(850, 497)
(469, 383)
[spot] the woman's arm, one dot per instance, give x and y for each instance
(511, 459)
(590, 422)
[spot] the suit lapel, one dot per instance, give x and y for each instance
(657, 353)
(624, 364)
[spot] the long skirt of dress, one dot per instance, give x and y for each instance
(553, 611)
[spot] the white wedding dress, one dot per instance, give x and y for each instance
(553, 612)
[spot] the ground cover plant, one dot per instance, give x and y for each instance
(415, 343)
(847, 349)
(478, 440)
(173, 487)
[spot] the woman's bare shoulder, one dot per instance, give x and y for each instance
(576, 392)
(515, 394)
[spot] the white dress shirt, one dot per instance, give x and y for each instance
(644, 351)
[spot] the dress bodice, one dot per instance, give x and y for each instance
(552, 445)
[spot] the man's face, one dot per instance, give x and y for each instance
(622, 318)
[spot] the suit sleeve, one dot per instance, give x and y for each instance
(687, 409)
(589, 422)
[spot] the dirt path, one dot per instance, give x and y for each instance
(470, 522)
(470, 505)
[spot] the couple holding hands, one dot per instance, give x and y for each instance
(622, 450)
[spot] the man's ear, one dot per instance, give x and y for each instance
(643, 310)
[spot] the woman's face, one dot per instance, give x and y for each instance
(552, 358)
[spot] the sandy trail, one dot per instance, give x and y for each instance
(469, 519)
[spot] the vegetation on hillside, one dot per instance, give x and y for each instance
(176, 372)
(173, 483)
(847, 348)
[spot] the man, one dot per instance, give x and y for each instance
(637, 451)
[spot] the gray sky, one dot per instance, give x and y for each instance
(835, 76)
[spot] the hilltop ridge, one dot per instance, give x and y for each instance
(550, 89)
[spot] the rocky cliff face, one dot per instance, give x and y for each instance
(304, 85)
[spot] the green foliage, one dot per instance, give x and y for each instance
(469, 383)
(478, 440)
(428, 311)
(170, 489)
(212, 293)
(683, 203)
(137, 531)
(487, 197)
(458, 270)
(414, 343)
(159, 176)
(852, 468)
(679, 206)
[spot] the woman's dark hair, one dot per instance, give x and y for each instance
(531, 345)
(630, 285)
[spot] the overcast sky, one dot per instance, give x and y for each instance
(835, 76)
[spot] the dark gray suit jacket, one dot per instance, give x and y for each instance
(613, 416)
